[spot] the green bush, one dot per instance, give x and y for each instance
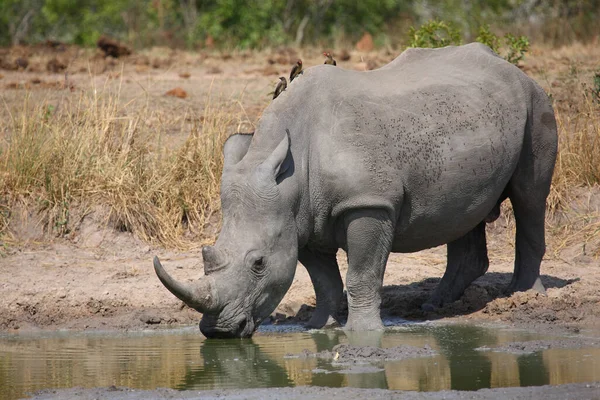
(517, 46)
(256, 23)
(596, 87)
(230, 23)
(434, 34)
(438, 33)
(488, 38)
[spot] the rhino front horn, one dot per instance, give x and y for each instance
(199, 296)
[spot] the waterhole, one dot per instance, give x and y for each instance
(456, 357)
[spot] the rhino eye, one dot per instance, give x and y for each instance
(258, 265)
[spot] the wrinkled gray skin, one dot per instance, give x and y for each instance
(414, 155)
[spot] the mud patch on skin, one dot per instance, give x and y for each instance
(539, 345)
(345, 353)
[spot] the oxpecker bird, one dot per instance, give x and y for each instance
(281, 86)
(329, 60)
(296, 70)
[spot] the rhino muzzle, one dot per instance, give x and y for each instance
(243, 327)
(199, 296)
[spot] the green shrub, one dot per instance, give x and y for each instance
(596, 87)
(516, 46)
(438, 33)
(434, 34)
(488, 38)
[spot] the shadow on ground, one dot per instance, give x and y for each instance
(404, 301)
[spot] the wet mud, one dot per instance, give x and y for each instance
(345, 353)
(580, 391)
(539, 345)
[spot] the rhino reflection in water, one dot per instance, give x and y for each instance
(419, 153)
(235, 364)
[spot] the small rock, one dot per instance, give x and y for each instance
(22, 63)
(150, 319)
(344, 55)
(177, 92)
(304, 313)
(55, 66)
(365, 43)
(112, 48)
(279, 317)
(184, 75)
(371, 65)
(214, 70)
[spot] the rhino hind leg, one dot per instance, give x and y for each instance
(467, 261)
(329, 289)
(528, 189)
(529, 209)
(529, 248)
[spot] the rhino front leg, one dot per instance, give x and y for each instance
(369, 236)
(329, 289)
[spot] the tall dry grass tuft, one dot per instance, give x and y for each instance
(577, 166)
(93, 151)
(578, 160)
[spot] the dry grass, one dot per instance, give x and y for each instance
(577, 167)
(578, 160)
(98, 149)
(571, 223)
(93, 150)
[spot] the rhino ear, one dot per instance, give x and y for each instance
(275, 164)
(235, 148)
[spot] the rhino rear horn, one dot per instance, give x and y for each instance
(236, 147)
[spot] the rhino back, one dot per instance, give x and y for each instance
(433, 138)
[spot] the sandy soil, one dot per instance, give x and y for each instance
(99, 278)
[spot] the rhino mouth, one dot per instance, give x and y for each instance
(244, 327)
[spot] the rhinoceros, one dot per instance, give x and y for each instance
(416, 154)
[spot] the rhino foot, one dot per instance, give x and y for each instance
(318, 322)
(514, 286)
(364, 323)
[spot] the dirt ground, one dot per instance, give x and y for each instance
(100, 278)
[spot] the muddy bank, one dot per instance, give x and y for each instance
(538, 345)
(360, 359)
(105, 281)
(580, 391)
(345, 353)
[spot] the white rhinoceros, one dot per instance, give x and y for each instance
(413, 155)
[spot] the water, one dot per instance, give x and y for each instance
(183, 359)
